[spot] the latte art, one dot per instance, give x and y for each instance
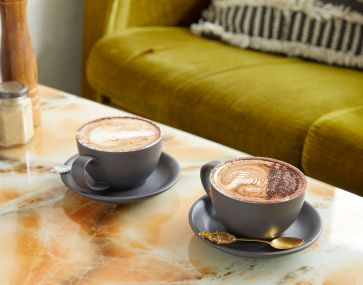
(108, 135)
(118, 134)
(259, 180)
(250, 181)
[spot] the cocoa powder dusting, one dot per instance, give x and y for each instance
(282, 182)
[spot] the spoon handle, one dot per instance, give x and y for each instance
(252, 240)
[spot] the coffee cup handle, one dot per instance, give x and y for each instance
(81, 176)
(205, 173)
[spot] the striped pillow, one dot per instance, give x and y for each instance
(329, 31)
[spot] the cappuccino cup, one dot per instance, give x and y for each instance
(116, 152)
(255, 197)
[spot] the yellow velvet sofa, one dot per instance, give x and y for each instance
(140, 56)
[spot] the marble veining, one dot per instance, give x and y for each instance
(49, 235)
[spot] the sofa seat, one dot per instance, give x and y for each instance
(260, 103)
(333, 149)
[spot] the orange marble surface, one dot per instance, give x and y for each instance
(49, 235)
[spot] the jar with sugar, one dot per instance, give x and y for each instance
(16, 117)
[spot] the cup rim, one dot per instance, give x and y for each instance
(119, 117)
(294, 196)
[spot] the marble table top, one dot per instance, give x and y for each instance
(49, 235)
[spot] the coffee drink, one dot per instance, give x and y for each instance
(118, 134)
(257, 197)
(260, 180)
(116, 153)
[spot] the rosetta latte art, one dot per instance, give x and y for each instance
(257, 180)
(250, 181)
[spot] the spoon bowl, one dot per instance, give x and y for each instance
(286, 242)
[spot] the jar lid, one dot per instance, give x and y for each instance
(12, 89)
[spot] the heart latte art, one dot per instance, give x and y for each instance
(258, 179)
(118, 134)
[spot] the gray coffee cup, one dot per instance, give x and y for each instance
(98, 170)
(252, 219)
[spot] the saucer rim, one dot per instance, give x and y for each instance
(255, 254)
(99, 197)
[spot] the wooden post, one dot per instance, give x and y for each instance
(18, 61)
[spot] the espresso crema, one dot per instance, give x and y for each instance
(118, 134)
(258, 180)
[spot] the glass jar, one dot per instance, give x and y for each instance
(16, 117)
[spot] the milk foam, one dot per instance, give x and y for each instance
(105, 135)
(247, 181)
(258, 180)
(118, 134)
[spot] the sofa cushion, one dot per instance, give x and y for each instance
(330, 32)
(333, 149)
(262, 104)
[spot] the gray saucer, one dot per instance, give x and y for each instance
(163, 178)
(308, 226)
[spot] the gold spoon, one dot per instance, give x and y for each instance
(226, 238)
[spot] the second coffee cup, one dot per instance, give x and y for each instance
(256, 197)
(116, 152)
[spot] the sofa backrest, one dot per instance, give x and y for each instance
(131, 13)
(109, 16)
